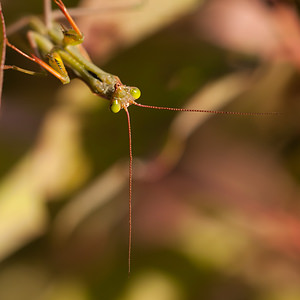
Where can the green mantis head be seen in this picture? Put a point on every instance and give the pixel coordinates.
(123, 96)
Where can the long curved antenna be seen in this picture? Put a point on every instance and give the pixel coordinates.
(210, 111)
(130, 190)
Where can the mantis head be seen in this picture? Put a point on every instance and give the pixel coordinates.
(123, 96)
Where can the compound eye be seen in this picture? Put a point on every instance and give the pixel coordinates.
(135, 93)
(115, 106)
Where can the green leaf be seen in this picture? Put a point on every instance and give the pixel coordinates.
(2, 50)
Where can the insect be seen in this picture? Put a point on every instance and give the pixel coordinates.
(56, 47)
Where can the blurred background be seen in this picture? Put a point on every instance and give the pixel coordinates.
(215, 197)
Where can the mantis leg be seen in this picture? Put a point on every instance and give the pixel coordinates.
(12, 67)
(55, 66)
(33, 44)
(16, 68)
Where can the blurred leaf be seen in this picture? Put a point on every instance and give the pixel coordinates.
(116, 30)
(153, 285)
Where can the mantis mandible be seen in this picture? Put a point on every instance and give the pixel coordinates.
(55, 47)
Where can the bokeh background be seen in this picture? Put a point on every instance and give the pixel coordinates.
(215, 197)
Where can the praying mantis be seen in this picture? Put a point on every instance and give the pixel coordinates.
(57, 49)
